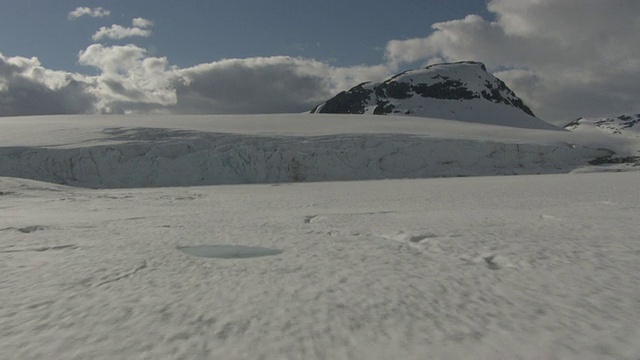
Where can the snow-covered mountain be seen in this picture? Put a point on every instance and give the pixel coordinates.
(624, 125)
(622, 128)
(462, 91)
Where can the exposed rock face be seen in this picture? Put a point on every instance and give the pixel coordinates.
(460, 91)
(347, 102)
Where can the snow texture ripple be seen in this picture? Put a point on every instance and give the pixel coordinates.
(522, 267)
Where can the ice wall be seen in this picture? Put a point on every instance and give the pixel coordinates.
(143, 157)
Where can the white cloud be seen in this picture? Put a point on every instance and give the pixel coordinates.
(128, 78)
(265, 84)
(142, 23)
(565, 58)
(131, 81)
(119, 32)
(27, 88)
(86, 11)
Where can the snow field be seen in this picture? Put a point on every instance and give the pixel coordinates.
(527, 267)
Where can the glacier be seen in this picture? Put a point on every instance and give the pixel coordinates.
(121, 152)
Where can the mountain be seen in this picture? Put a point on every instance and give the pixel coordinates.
(624, 125)
(626, 128)
(462, 91)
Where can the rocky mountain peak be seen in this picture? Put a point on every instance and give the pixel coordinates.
(459, 91)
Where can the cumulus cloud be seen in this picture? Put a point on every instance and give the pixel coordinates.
(142, 23)
(129, 80)
(565, 58)
(86, 11)
(27, 88)
(118, 32)
(264, 84)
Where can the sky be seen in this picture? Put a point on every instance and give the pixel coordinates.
(566, 58)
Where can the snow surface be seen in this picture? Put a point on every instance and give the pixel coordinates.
(517, 267)
(520, 267)
(624, 127)
(123, 151)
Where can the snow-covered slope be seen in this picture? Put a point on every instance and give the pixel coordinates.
(624, 125)
(460, 91)
(122, 151)
(624, 128)
(519, 267)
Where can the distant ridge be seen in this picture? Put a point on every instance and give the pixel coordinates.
(626, 125)
(462, 91)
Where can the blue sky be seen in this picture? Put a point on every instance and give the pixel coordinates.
(565, 59)
(191, 32)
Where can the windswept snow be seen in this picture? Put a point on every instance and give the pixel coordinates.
(112, 152)
(519, 267)
(511, 267)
